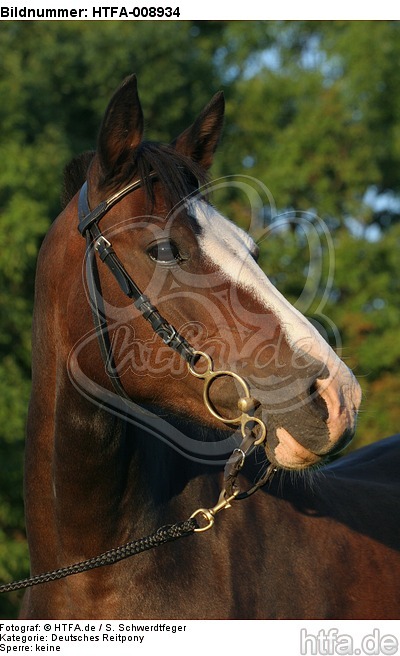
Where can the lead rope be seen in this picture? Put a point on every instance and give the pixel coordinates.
(164, 534)
(171, 532)
(167, 533)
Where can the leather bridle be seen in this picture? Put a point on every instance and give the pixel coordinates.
(88, 226)
(253, 429)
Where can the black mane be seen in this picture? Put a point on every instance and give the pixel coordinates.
(74, 176)
(178, 174)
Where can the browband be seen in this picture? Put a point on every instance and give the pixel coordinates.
(88, 217)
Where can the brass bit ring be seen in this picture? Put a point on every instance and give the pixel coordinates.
(246, 403)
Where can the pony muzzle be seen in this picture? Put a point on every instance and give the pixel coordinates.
(335, 401)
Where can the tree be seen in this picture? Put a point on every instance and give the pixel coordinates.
(316, 118)
(312, 112)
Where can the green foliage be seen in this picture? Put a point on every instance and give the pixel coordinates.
(312, 111)
(14, 390)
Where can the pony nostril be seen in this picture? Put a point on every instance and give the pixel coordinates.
(318, 402)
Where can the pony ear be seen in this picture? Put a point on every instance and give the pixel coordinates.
(200, 140)
(122, 127)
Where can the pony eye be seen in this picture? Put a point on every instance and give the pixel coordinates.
(165, 252)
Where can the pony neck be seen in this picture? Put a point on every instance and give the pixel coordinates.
(131, 480)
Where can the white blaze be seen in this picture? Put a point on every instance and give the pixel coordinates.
(229, 249)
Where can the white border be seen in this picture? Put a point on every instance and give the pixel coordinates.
(211, 10)
(197, 638)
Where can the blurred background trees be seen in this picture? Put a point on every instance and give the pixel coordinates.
(313, 111)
